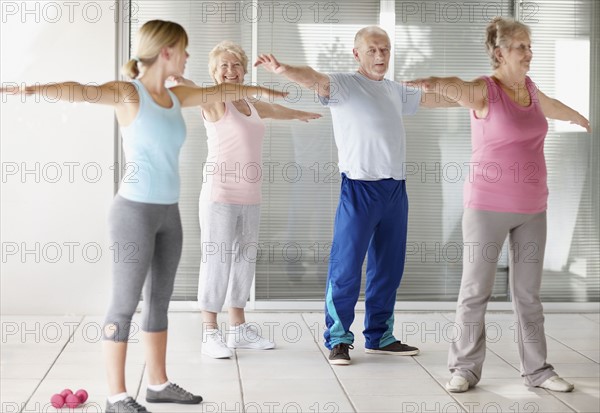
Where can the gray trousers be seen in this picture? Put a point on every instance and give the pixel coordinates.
(484, 233)
(146, 240)
(229, 235)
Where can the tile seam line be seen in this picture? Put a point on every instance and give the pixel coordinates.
(52, 365)
(330, 367)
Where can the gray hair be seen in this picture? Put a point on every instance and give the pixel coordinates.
(499, 33)
(226, 46)
(365, 31)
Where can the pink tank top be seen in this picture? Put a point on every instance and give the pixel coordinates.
(508, 168)
(232, 173)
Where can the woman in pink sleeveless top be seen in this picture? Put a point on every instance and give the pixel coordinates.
(506, 194)
(230, 204)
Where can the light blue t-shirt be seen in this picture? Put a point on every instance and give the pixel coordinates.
(152, 144)
(367, 124)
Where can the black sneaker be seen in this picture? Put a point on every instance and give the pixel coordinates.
(127, 405)
(395, 349)
(339, 354)
(172, 394)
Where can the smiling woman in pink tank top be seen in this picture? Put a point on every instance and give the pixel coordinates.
(230, 204)
(506, 194)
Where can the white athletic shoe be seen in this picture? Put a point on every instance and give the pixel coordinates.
(555, 383)
(246, 336)
(457, 384)
(214, 346)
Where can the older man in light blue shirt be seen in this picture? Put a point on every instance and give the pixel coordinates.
(367, 112)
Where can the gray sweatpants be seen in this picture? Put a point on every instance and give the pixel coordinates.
(146, 241)
(229, 235)
(485, 231)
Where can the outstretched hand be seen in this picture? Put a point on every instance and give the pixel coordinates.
(306, 116)
(583, 122)
(269, 62)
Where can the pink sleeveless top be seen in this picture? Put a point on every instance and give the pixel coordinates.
(232, 173)
(508, 168)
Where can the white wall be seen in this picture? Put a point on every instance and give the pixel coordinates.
(49, 42)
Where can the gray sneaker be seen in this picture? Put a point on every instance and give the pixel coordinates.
(172, 394)
(127, 405)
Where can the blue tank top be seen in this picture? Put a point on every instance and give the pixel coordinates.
(152, 144)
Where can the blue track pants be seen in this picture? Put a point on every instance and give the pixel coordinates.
(371, 217)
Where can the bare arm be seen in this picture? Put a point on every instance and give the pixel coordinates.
(200, 96)
(122, 96)
(279, 112)
(436, 100)
(555, 109)
(213, 111)
(443, 91)
(305, 76)
(112, 93)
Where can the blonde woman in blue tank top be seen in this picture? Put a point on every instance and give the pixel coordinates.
(145, 212)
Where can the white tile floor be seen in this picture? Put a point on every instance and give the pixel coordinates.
(42, 355)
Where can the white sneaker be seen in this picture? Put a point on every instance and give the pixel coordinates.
(555, 383)
(214, 346)
(246, 336)
(457, 384)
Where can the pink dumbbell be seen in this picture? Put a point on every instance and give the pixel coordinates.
(57, 401)
(82, 395)
(66, 397)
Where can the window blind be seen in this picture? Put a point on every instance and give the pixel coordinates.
(441, 38)
(207, 23)
(301, 178)
(299, 203)
(564, 34)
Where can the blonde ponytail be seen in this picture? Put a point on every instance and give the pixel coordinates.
(130, 69)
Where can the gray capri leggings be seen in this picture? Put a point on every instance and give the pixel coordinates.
(146, 240)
